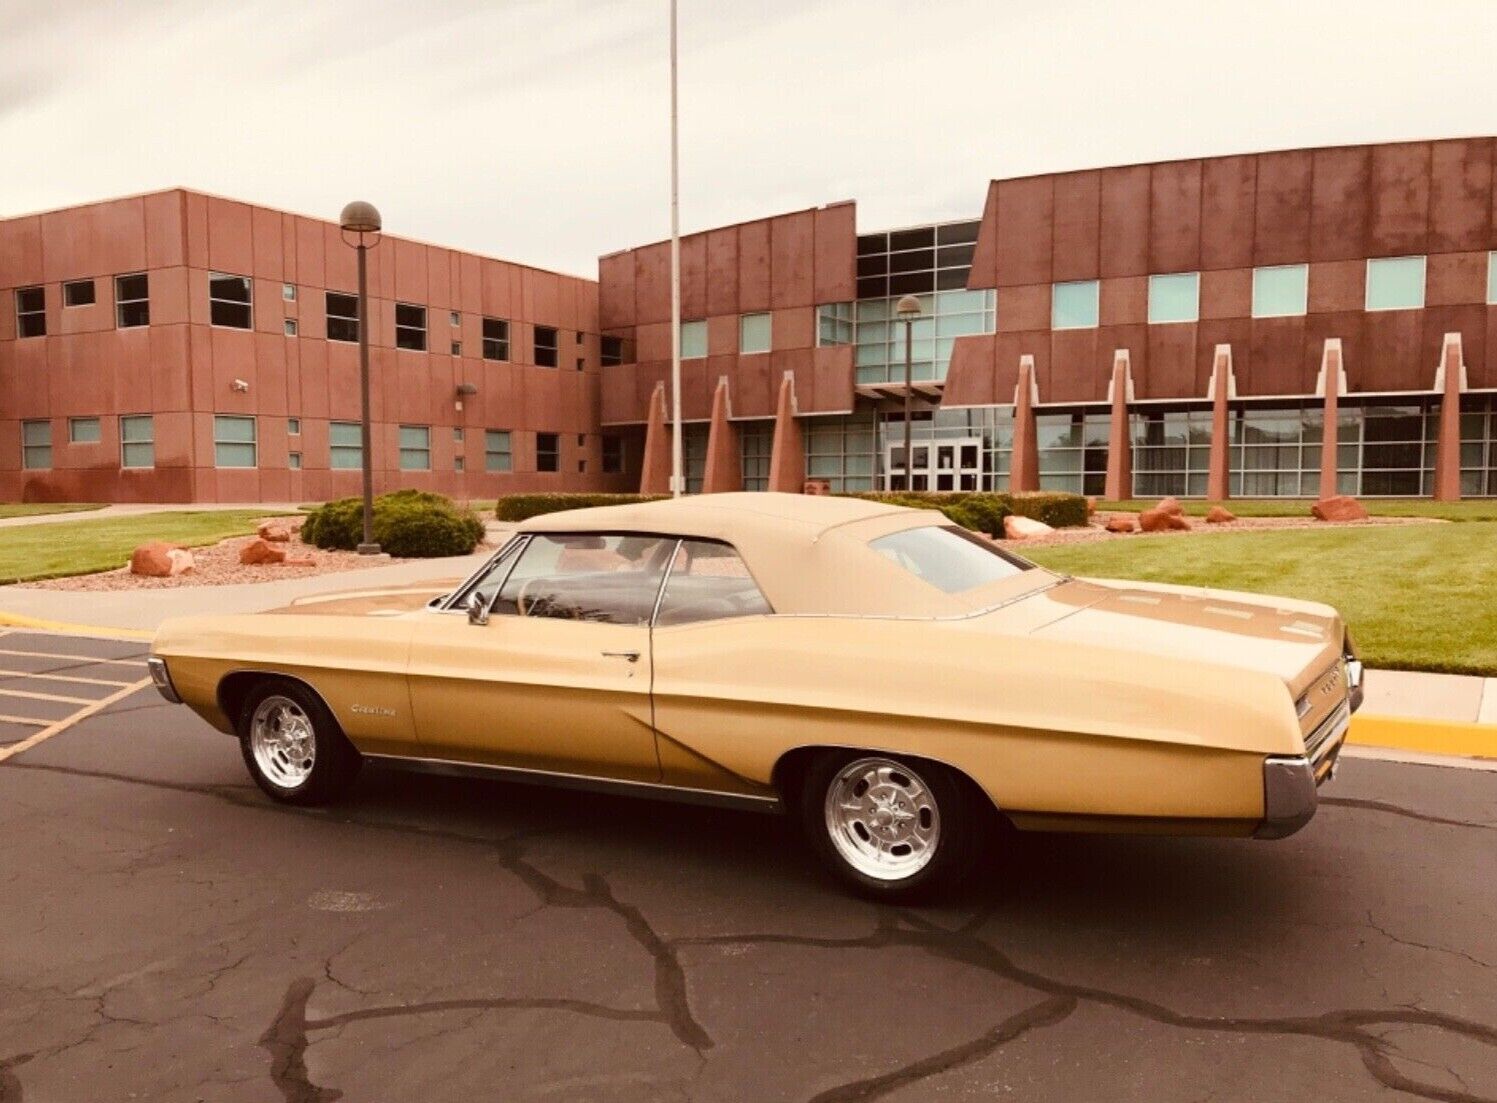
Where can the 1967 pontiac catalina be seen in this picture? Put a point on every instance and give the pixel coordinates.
(886, 677)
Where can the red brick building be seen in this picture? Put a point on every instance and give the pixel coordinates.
(181, 347)
(1275, 324)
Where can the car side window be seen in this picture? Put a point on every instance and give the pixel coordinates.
(709, 581)
(607, 578)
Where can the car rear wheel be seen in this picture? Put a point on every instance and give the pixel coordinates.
(891, 828)
(293, 747)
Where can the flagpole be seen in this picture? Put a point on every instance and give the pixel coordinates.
(678, 478)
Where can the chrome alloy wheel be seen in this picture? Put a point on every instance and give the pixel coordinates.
(882, 819)
(282, 741)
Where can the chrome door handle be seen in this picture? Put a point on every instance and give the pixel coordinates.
(631, 656)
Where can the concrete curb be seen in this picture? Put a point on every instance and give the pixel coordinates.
(15, 620)
(1440, 737)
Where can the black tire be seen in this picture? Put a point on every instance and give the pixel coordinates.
(334, 762)
(952, 803)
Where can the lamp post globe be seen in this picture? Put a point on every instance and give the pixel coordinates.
(362, 220)
(907, 310)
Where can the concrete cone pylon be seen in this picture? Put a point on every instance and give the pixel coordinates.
(1024, 461)
(1450, 381)
(787, 456)
(724, 469)
(655, 468)
(1118, 486)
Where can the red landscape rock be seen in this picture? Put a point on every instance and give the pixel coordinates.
(182, 561)
(1157, 520)
(1170, 505)
(300, 559)
(274, 532)
(1341, 508)
(258, 551)
(153, 560)
(1121, 522)
(1219, 515)
(1022, 528)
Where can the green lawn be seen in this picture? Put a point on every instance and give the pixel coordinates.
(1471, 509)
(85, 547)
(37, 509)
(1417, 597)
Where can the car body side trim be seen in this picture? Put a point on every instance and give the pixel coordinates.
(557, 779)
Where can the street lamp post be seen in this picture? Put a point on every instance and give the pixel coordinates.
(907, 310)
(362, 220)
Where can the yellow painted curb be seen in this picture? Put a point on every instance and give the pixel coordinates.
(1448, 737)
(15, 620)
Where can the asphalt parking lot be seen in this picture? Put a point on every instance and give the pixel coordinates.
(166, 933)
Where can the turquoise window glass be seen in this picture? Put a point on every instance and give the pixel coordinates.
(1280, 291)
(1074, 305)
(1175, 297)
(1492, 277)
(1395, 283)
(233, 441)
(753, 333)
(693, 340)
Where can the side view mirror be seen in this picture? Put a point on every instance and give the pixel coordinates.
(478, 608)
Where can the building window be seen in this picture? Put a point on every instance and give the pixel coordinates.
(138, 441)
(1281, 291)
(581, 364)
(834, 324)
(757, 439)
(916, 261)
(345, 445)
(545, 346)
(1171, 453)
(841, 451)
(459, 464)
(693, 340)
(84, 430)
(754, 333)
(945, 316)
(132, 300)
(613, 454)
(229, 301)
(342, 317)
(288, 292)
(457, 348)
(78, 293)
(1492, 277)
(293, 460)
(495, 339)
(415, 448)
(496, 450)
(547, 452)
(31, 312)
(36, 445)
(1074, 305)
(1395, 283)
(233, 441)
(454, 318)
(1175, 297)
(288, 326)
(410, 327)
(457, 434)
(293, 426)
(611, 350)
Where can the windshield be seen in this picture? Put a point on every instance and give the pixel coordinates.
(949, 558)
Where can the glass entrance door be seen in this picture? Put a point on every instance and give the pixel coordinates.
(954, 464)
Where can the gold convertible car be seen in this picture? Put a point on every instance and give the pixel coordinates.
(887, 677)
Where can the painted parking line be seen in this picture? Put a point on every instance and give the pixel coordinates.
(38, 675)
(60, 726)
(5, 719)
(33, 695)
(1438, 737)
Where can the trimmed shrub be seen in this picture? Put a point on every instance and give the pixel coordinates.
(522, 507)
(1055, 509)
(414, 524)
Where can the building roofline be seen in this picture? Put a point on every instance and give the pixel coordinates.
(180, 189)
(733, 226)
(1242, 153)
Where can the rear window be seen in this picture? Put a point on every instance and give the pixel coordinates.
(949, 558)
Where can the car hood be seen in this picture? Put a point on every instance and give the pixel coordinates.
(372, 601)
(1294, 640)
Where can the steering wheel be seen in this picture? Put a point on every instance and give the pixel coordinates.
(526, 606)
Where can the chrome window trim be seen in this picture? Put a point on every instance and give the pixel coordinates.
(452, 604)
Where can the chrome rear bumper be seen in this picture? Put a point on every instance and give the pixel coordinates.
(1290, 781)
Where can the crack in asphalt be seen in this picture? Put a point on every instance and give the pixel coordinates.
(1045, 1013)
(1350, 1026)
(286, 1039)
(1398, 810)
(1391, 937)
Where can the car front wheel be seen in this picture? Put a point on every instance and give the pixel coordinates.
(892, 829)
(293, 747)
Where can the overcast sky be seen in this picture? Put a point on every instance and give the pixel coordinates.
(537, 130)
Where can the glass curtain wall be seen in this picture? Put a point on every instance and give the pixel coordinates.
(1479, 445)
(1073, 450)
(1171, 453)
(756, 439)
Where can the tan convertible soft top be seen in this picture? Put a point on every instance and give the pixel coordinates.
(808, 553)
